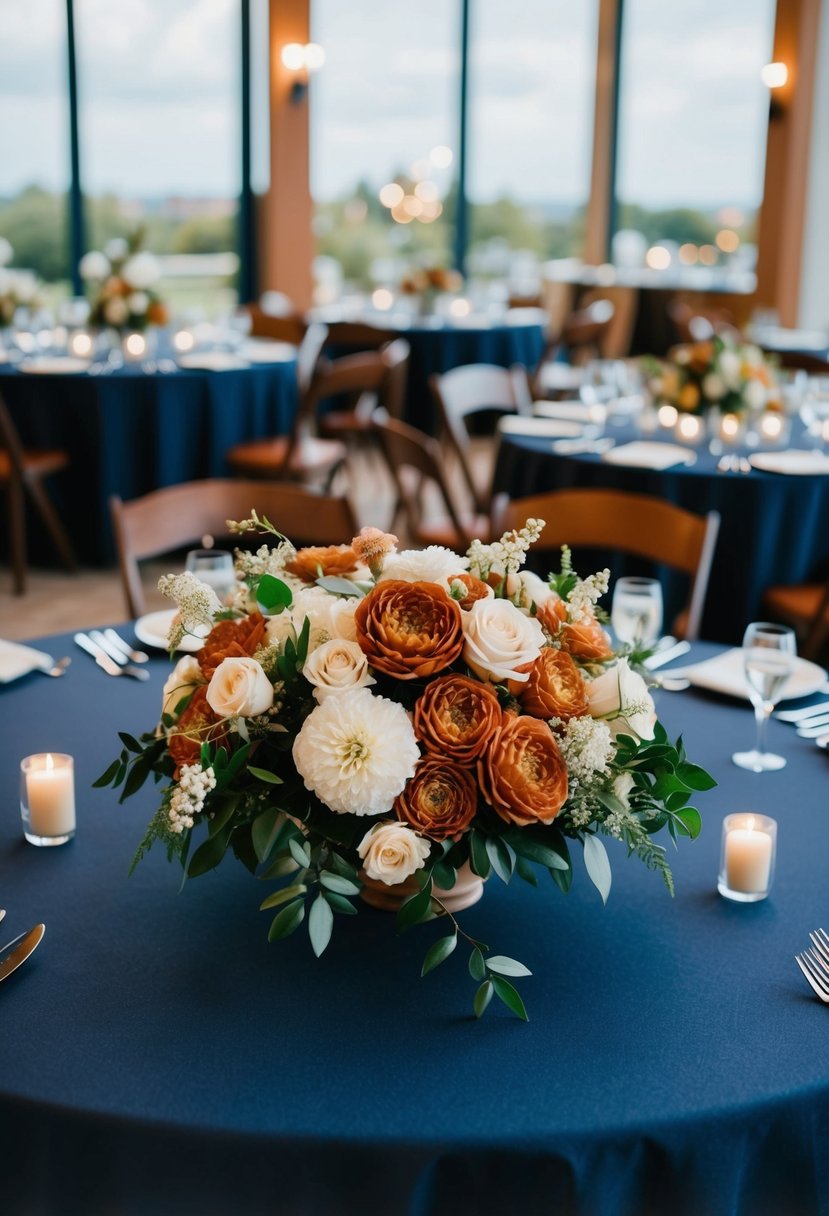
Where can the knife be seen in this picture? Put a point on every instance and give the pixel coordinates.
(666, 656)
(137, 656)
(115, 653)
(17, 951)
(103, 660)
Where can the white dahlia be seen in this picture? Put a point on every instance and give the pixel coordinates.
(434, 564)
(356, 752)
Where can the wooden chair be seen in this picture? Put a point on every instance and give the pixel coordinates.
(415, 463)
(290, 327)
(359, 335)
(303, 455)
(634, 524)
(22, 473)
(390, 393)
(465, 393)
(180, 516)
(580, 339)
(805, 607)
(800, 361)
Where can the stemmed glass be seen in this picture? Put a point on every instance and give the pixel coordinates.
(214, 567)
(769, 657)
(636, 612)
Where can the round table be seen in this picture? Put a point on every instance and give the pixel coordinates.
(773, 528)
(132, 431)
(439, 344)
(159, 1056)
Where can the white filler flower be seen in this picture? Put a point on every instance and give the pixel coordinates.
(356, 752)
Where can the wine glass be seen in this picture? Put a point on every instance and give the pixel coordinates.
(636, 612)
(214, 567)
(769, 657)
(814, 411)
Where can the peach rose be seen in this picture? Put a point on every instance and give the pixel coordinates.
(456, 717)
(522, 773)
(335, 666)
(231, 639)
(322, 559)
(391, 852)
(409, 630)
(500, 641)
(239, 688)
(555, 688)
(198, 724)
(440, 800)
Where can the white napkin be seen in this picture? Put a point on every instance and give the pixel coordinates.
(538, 428)
(17, 660)
(648, 454)
(573, 411)
(791, 460)
(212, 361)
(54, 365)
(725, 673)
(560, 377)
(260, 350)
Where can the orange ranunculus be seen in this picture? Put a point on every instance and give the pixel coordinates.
(700, 355)
(231, 639)
(476, 589)
(586, 640)
(688, 397)
(556, 687)
(440, 800)
(456, 717)
(198, 724)
(551, 615)
(157, 313)
(522, 773)
(409, 630)
(310, 563)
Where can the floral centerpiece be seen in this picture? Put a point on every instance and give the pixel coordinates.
(363, 720)
(18, 288)
(122, 282)
(426, 283)
(720, 373)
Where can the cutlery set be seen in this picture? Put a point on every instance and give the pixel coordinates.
(732, 463)
(811, 722)
(112, 654)
(814, 963)
(19, 948)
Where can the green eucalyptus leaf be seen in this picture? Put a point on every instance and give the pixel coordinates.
(300, 851)
(444, 876)
(477, 966)
(478, 855)
(339, 903)
(287, 921)
(339, 586)
(108, 777)
(510, 996)
(262, 774)
(695, 778)
(338, 884)
(506, 966)
(415, 908)
(482, 998)
(439, 952)
(264, 831)
(278, 898)
(598, 865)
(208, 855)
(501, 856)
(320, 924)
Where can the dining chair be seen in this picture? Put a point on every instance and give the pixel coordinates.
(799, 361)
(465, 394)
(359, 335)
(617, 336)
(22, 474)
(415, 463)
(634, 524)
(281, 327)
(579, 339)
(179, 516)
(303, 455)
(804, 606)
(354, 420)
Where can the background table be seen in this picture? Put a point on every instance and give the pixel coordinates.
(132, 431)
(438, 344)
(773, 528)
(159, 1056)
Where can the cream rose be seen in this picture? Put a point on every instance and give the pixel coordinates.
(498, 639)
(181, 681)
(239, 688)
(620, 696)
(279, 628)
(335, 666)
(392, 852)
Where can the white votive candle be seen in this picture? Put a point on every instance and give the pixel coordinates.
(689, 428)
(47, 798)
(80, 344)
(748, 847)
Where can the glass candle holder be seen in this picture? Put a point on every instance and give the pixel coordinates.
(749, 846)
(689, 428)
(47, 798)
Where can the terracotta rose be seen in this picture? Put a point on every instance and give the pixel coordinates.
(457, 717)
(522, 774)
(231, 640)
(440, 800)
(409, 630)
(556, 687)
(198, 724)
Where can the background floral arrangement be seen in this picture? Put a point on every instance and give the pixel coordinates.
(721, 373)
(18, 288)
(122, 286)
(430, 279)
(362, 715)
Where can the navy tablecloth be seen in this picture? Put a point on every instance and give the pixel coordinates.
(773, 528)
(438, 346)
(158, 1056)
(132, 431)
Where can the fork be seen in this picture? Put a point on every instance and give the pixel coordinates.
(814, 964)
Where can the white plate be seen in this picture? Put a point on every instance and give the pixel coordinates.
(573, 411)
(213, 361)
(539, 428)
(647, 454)
(260, 350)
(17, 661)
(154, 630)
(560, 377)
(793, 460)
(57, 365)
(724, 673)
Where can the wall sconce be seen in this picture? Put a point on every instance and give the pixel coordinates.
(774, 76)
(302, 60)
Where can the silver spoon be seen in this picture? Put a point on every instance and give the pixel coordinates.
(58, 669)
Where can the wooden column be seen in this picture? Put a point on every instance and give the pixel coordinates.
(286, 241)
(783, 212)
(602, 185)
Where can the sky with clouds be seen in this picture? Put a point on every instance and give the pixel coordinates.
(159, 92)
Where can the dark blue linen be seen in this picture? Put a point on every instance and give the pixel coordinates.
(438, 346)
(132, 431)
(773, 528)
(158, 1056)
